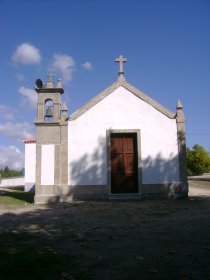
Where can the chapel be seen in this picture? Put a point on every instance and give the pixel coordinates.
(122, 144)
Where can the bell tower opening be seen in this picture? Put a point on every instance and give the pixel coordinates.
(49, 110)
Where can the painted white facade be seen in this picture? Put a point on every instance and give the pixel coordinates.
(30, 165)
(122, 110)
(74, 156)
(47, 164)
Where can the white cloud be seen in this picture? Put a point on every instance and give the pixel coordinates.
(6, 112)
(12, 157)
(16, 131)
(87, 65)
(65, 65)
(20, 77)
(30, 97)
(26, 54)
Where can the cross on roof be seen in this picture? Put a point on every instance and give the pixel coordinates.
(50, 76)
(121, 60)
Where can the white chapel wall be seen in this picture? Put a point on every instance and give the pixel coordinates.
(30, 165)
(47, 164)
(122, 110)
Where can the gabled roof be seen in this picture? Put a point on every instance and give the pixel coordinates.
(129, 87)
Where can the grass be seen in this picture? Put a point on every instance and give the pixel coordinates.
(15, 198)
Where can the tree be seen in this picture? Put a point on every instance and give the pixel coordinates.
(7, 173)
(198, 160)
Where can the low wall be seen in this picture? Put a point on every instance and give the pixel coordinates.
(12, 182)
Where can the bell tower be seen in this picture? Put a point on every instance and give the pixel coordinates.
(51, 143)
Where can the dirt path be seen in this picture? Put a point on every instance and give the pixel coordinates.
(199, 192)
(200, 186)
(163, 239)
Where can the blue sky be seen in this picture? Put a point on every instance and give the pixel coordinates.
(166, 43)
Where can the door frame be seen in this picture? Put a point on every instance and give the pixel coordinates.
(108, 137)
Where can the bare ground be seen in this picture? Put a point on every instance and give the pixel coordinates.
(159, 239)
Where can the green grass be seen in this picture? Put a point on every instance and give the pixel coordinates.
(15, 198)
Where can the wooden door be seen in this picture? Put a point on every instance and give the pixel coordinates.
(124, 163)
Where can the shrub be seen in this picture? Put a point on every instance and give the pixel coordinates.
(198, 160)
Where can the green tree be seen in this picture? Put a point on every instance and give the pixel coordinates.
(198, 160)
(7, 173)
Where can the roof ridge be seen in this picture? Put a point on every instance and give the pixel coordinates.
(99, 97)
(149, 100)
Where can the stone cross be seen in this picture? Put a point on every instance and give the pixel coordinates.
(50, 76)
(50, 80)
(121, 60)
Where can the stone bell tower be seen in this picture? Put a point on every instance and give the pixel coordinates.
(51, 143)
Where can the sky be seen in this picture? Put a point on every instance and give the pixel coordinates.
(166, 43)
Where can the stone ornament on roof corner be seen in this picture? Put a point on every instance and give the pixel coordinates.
(180, 117)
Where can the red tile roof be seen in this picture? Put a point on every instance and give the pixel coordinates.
(29, 140)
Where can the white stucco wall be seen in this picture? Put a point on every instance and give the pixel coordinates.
(122, 110)
(47, 164)
(30, 165)
(30, 162)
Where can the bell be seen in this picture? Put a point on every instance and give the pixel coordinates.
(48, 113)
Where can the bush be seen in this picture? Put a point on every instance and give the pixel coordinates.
(7, 173)
(198, 160)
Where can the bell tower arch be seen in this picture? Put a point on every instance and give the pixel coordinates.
(51, 143)
(49, 110)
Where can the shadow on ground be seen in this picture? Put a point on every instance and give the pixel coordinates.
(107, 240)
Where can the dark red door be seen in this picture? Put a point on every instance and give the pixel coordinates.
(124, 163)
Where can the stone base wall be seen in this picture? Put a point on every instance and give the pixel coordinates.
(55, 194)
